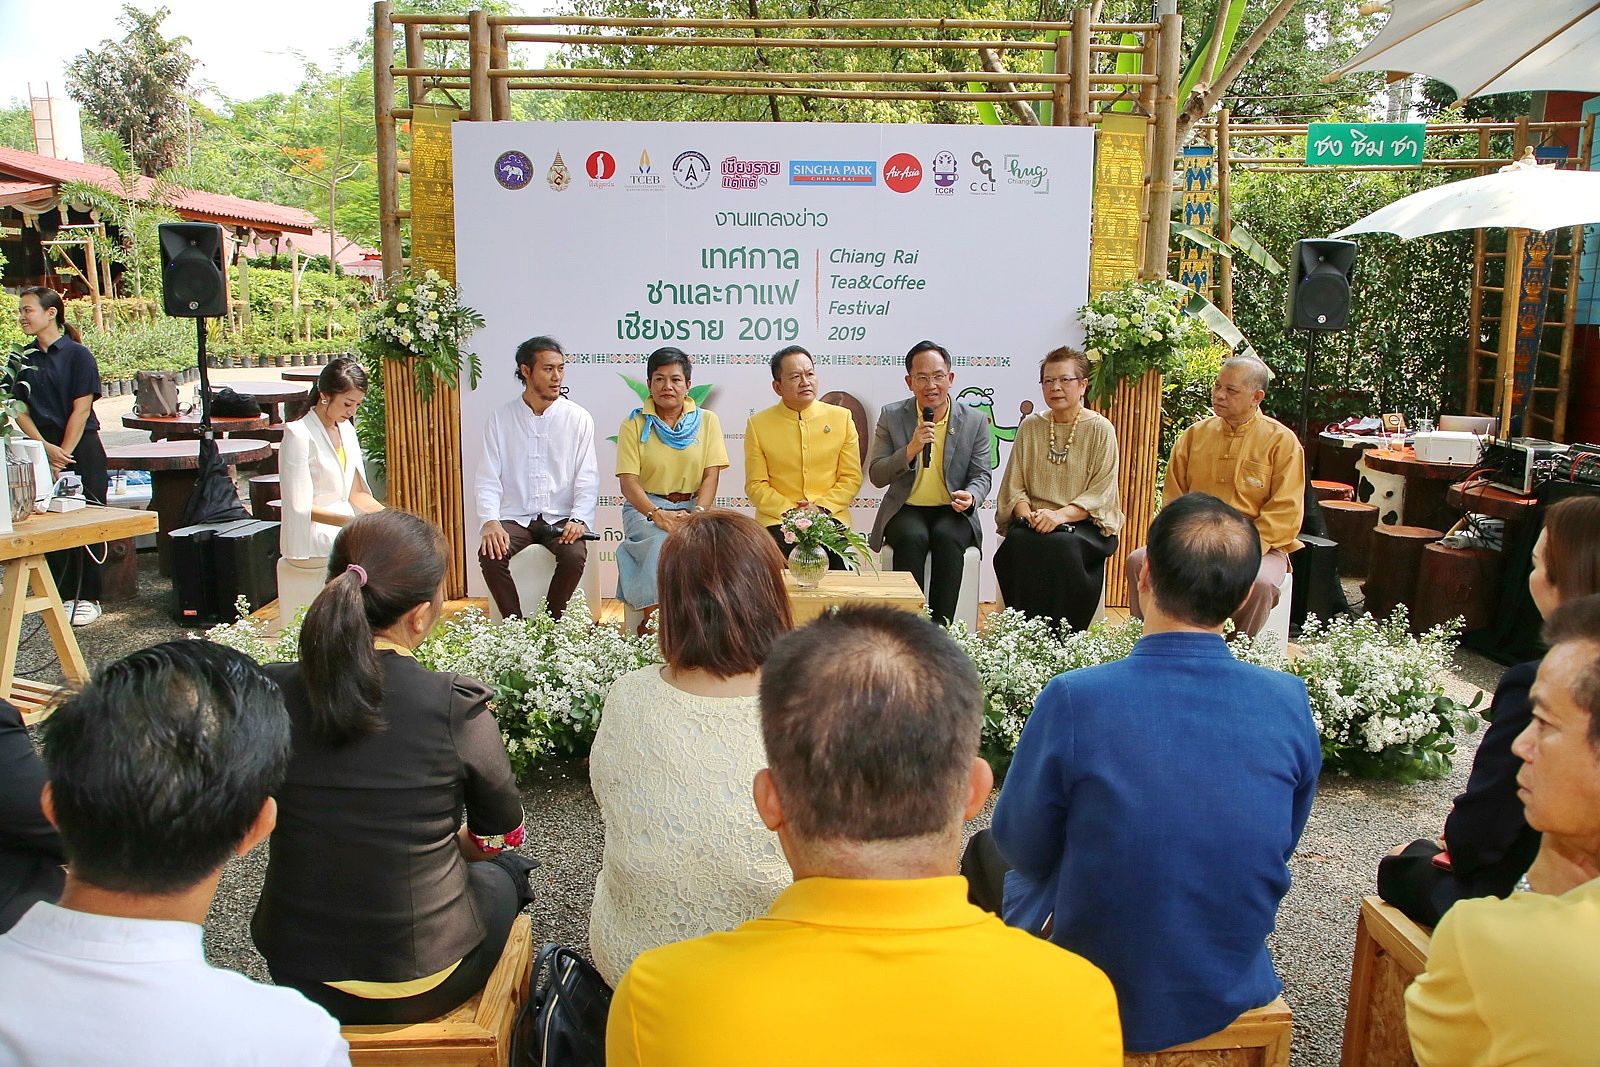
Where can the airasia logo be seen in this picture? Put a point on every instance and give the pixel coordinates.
(903, 172)
(601, 166)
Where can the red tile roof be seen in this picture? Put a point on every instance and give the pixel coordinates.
(192, 204)
(24, 192)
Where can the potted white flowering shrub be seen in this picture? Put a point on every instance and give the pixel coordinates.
(421, 321)
(1128, 331)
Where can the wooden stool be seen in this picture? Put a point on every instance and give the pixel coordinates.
(1391, 951)
(1258, 1038)
(477, 1034)
(1351, 523)
(1456, 581)
(1325, 490)
(263, 487)
(119, 575)
(1396, 560)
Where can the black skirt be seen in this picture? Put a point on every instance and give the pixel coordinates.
(1058, 575)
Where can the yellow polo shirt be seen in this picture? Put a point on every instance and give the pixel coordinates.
(791, 456)
(1259, 469)
(929, 490)
(662, 469)
(851, 971)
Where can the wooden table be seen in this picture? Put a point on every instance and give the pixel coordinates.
(287, 400)
(301, 374)
(1481, 498)
(1425, 485)
(173, 467)
(162, 427)
(892, 589)
(30, 587)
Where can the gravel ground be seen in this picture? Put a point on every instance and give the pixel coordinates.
(1352, 825)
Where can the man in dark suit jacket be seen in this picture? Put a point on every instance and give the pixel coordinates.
(930, 508)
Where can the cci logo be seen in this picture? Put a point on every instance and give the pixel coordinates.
(1033, 177)
(903, 172)
(558, 177)
(985, 184)
(601, 168)
(644, 179)
(833, 172)
(513, 170)
(691, 169)
(944, 174)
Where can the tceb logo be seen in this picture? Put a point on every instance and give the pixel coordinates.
(903, 172)
(601, 168)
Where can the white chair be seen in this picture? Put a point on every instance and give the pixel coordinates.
(531, 571)
(1099, 609)
(1275, 631)
(299, 582)
(967, 599)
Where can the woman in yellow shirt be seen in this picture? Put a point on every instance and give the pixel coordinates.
(669, 454)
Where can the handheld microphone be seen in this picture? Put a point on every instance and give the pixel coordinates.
(927, 449)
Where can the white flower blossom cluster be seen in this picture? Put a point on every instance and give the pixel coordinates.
(1139, 317)
(422, 314)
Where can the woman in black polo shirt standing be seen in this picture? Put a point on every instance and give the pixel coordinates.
(63, 382)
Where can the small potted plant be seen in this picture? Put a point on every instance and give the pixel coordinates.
(814, 534)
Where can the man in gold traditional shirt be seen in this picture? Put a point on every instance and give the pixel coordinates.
(800, 453)
(1251, 462)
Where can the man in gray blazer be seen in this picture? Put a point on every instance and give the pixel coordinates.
(933, 456)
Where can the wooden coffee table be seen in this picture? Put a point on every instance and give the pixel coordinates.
(174, 467)
(162, 427)
(891, 589)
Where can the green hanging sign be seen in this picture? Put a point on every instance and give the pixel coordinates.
(1357, 144)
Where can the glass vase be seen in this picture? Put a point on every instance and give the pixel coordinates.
(808, 563)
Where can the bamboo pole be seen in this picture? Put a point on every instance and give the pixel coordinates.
(1024, 26)
(1510, 306)
(1169, 67)
(645, 40)
(1224, 213)
(499, 59)
(91, 274)
(1082, 66)
(776, 77)
(416, 88)
(1569, 319)
(777, 90)
(388, 149)
(479, 50)
(1475, 307)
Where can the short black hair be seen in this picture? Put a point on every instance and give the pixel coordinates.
(667, 357)
(871, 719)
(528, 352)
(784, 353)
(1578, 622)
(928, 346)
(1203, 558)
(160, 765)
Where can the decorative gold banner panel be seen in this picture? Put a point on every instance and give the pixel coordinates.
(1116, 248)
(433, 198)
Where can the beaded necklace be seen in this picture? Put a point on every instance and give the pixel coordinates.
(1059, 455)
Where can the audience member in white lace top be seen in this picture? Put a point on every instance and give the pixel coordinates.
(678, 747)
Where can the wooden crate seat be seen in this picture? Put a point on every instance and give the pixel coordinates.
(1391, 951)
(477, 1034)
(1258, 1038)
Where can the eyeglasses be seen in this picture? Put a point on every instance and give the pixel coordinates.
(1048, 382)
(920, 380)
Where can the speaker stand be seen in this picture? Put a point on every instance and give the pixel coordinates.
(1305, 394)
(205, 379)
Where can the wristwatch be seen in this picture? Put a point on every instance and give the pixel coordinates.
(698, 509)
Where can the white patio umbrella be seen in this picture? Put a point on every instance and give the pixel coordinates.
(1482, 47)
(1523, 197)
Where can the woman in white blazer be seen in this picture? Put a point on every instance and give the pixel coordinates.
(321, 476)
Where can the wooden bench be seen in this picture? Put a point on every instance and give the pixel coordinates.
(477, 1034)
(1391, 951)
(1258, 1038)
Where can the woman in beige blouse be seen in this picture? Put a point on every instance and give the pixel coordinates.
(1058, 508)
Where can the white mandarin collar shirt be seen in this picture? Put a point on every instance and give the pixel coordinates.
(538, 466)
(96, 989)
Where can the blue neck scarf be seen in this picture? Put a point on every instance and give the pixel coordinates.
(685, 435)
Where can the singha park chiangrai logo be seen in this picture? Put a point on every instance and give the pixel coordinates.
(513, 170)
(558, 177)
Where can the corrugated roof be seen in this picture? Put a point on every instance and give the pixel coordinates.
(192, 204)
(25, 192)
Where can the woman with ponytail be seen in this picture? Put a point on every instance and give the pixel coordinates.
(61, 382)
(379, 903)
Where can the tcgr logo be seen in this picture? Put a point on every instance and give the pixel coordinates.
(944, 174)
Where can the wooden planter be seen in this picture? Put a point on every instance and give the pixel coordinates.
(1135, 412)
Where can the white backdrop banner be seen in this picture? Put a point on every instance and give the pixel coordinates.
(731, 240)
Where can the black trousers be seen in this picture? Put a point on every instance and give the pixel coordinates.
(76, 572)
(499, 889)
(916, 532)
(834, 562)
(570, 561)
(1058, 575)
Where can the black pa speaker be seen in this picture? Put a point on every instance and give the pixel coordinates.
(192, 285)
(1319, 285)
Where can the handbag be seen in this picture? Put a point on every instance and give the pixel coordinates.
(563, 1023)
(155, 393)
(232, 405)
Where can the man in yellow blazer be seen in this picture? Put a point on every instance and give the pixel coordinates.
(800, 453)
(870, 718)
(1516, 981)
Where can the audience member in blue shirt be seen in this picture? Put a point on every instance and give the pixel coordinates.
(1154, 803)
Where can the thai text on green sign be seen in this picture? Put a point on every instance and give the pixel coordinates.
(1359, 144)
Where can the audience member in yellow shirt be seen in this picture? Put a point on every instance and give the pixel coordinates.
(1516, 981)
(1254, 464)
(800, 452)
(870, 719)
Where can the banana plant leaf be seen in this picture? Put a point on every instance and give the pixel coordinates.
(1128, 63)
(1215, 321)
(1229, 13)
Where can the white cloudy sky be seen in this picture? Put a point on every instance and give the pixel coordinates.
(245, 48)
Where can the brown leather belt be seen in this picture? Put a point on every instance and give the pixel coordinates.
(676, 498)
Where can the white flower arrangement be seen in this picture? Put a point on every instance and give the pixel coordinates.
(1137, 328)
(420, 319)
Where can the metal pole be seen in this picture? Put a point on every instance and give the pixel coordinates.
(205, 380)
(1305, 389)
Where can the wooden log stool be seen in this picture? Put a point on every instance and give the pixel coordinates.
(1351, 523)
(1391, 951)
(1326, 490)
(1396, 561)
(1258, 1038)
(264, 488)
(477, 1034)
(119, 575)
(1456, 581)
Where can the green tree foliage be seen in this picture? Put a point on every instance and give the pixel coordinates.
(137, 88)
(16, 126)
(132, 209)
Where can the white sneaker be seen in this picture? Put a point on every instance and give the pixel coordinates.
(82, 612)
